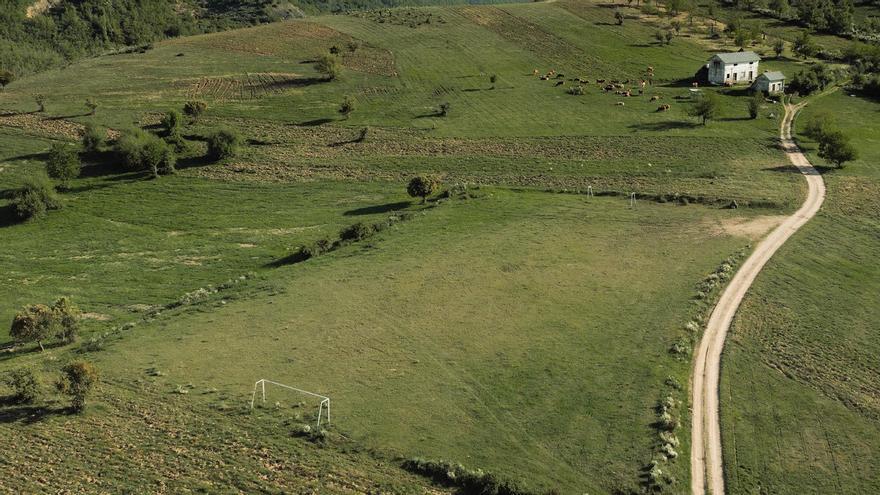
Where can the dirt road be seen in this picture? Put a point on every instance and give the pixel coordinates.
(706, 462)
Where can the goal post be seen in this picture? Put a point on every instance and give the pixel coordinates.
(323, 406)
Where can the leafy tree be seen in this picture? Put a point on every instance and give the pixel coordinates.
(668, 36)
(64, 164)
(422, 187)
(705, 108)
(619, 17)
(659, 36)
(742, 38)
(444, 109)
(172, 122)
(67, 316)
(493, 79)
(778, 47)
(835, 147)
(347, 107)
(34, 198)
(77, 380)
(92, 138)
(754, 104)
(817, 125)
(329, 66)
(223, 144)
(804, 45)
(6, 77)
(34, 323)
(40, 100)
(24, 383)
(142, 151)
(781, 7)
(195, 108)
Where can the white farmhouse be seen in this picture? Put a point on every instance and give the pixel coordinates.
(732, 68)
(770, 82)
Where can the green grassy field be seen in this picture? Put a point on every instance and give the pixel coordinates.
(524, 332)
(799, 390)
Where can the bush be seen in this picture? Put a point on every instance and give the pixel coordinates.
(77, 381)
(329, 66)
(577, 90)
(347, 107)
(357, 232)
(754, 105)
(34, 198)
(195, 108)
(422, 187)
(444, 109)
(67, 318)
(92, 138)
(171, 122)
(24, 384)
(223, 144)
(64, 164)
(6, 77)
(835, 147)
(34, 323)
(142, 151)
(817, 125)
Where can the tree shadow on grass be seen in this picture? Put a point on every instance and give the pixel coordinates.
(8, 218)
(28, 156)
(65, 117)
(664, 126)
(734, 119)
(369, 210)
(315, 122)
(14, 411)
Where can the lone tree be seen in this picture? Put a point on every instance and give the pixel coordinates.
(6, 77)
(34, 198)
(804, 45)
(223, 144)
(618, 16)
(92, 138)
(67, 317)
(77, 381)
(444, 109)
(34, 323)
(171, 122)
(754, 104)
(347, 107)
(91, 105)
(706, 108)
(492, 80)
(40, 100)
(64, 164)
(195, 108)
(422, 187)
(835, 147)
(329, 66)
(778, 47)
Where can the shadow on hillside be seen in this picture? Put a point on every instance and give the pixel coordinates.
(8, 218)
(784, 169)
(315, 122)
(12, 411)
(429, 115)
(664, 126)
(369, 210)
(65, 117)
(734, 119)
(28, 156)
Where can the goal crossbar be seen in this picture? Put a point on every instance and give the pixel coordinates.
(261, 385)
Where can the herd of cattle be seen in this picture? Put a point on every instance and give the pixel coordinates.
(626, 88)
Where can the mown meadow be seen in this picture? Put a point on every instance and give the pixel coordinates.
(522, 326)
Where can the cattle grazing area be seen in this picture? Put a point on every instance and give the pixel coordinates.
(489, 233)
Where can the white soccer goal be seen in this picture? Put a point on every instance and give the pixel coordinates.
(324, 404)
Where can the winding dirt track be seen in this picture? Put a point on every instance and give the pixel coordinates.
(706, 462)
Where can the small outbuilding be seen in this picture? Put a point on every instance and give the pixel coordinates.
(770, 82)
(732, 68)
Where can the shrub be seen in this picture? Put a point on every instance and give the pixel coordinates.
(143, 151)
(357, 232)
(6, 77)
(329, 66)
(577, 90)
(347, 107)
(34, 198)
(40, 100)
(91, 105)
(705, 108)
(422, 187)
(195, 108)
(67, 317)
(444, 109)
(223, 144)
(64, 164)
(92, 138)
(34, 323)
(77, 381)
(24, 384)
(171, 122)
(818, 125)
(754, 105)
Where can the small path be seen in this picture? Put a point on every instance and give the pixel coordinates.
(706, 463)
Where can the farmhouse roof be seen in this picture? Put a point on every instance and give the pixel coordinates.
(738, 57)
(773, 76)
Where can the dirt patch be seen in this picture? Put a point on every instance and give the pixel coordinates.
(96, 316)
(753, 228)
(43, 125)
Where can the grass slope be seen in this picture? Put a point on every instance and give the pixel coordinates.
(799, 390)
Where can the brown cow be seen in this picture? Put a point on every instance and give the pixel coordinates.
(663, 108)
